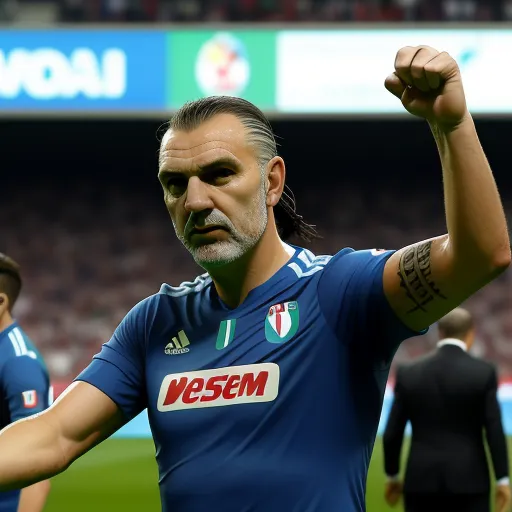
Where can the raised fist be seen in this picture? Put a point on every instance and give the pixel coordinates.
(429, 85)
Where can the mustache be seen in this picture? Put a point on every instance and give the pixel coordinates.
(215, 217)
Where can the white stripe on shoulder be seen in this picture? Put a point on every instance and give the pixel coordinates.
(14, 343)
(306, 256)
(198, 284)
(21, 341)
(309, 263)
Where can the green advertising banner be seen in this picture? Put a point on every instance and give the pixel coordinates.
(209, 63)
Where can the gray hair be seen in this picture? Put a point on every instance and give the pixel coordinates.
(259, 130)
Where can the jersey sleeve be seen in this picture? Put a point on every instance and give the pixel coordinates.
(26, 386)
(351, 296)
(119, 369)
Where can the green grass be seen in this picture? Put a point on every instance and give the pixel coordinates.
(122, 475)
(117, 475)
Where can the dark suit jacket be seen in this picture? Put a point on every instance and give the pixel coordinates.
(450, 399)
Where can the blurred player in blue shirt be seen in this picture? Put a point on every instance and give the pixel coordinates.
(24, 382)
(264, 377)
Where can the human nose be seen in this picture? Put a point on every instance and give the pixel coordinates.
(197, 198)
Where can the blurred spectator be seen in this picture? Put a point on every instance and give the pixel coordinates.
(179, 11)
(73, 10)
(8, 10)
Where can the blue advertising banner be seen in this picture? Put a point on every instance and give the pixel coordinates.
(151, 72)
(82, 70)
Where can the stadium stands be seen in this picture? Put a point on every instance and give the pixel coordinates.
(89, 255)
(254, 10)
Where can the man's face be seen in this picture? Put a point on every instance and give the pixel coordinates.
(213, 189)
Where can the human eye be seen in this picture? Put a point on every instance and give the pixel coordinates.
(175, 185)
(219, 176)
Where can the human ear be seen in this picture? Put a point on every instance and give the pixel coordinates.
(276, 173)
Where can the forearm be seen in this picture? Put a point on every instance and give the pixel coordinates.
(29, 452)
(33, 498)
(477, 230)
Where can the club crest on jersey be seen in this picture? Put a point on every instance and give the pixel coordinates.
(29, 399)
(282, 322)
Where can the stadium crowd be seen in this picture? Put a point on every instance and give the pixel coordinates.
(258, 10)
(88, 259)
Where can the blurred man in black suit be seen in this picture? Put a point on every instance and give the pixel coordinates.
(450, 398)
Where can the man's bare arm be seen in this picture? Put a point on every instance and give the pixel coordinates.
(43, 445)
(33, 498)
(428, 279)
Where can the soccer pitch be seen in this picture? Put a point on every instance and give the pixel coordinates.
(121, 474)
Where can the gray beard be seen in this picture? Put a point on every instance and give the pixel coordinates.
(224, 252)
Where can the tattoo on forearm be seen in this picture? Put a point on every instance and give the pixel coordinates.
(416, 276)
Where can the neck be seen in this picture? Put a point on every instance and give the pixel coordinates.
(234, 282)
(6, 320)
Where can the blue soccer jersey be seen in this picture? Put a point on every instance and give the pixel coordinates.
(272, 406)
(24, 388)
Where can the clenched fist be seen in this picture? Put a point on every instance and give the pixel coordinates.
(429, 85)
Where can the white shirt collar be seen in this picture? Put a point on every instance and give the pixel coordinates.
(452, 341)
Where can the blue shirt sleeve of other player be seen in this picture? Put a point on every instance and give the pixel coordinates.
(26, 387)
(119, 369)
(351, 295)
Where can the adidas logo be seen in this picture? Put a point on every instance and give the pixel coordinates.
(178, 345)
